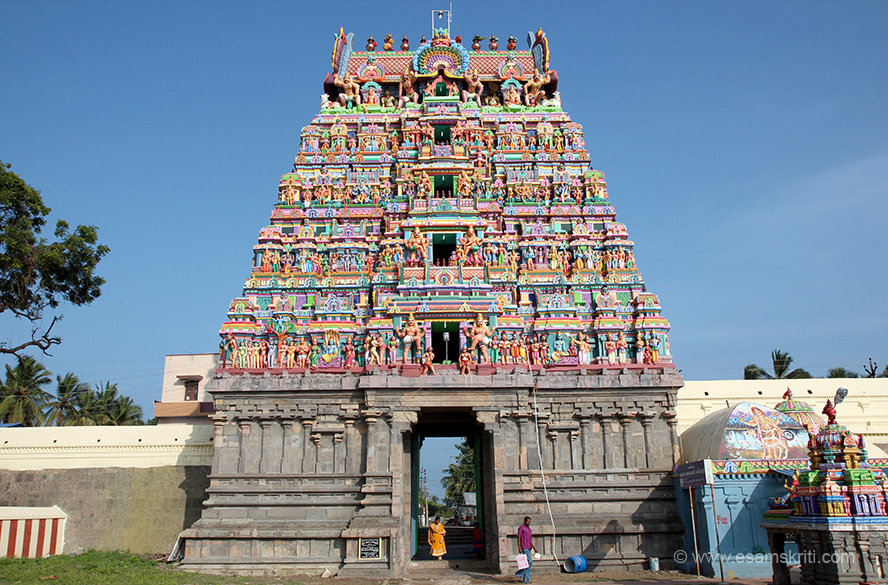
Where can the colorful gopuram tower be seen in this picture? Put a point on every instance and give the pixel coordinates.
(441, 260)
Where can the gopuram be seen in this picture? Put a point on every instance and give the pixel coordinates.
(441, 261)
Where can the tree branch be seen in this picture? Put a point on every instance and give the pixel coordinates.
(43, 342)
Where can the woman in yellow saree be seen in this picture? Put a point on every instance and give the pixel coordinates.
(436, 539)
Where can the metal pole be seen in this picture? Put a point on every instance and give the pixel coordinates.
(694, 528)
(721, 568)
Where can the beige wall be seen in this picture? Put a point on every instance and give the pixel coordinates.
(128, 488)
(864, 411)
(200, 364)
(102, 447)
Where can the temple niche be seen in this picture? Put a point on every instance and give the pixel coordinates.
(442, 258)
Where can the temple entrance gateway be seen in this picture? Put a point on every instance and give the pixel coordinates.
(316, 448)
(455, 425)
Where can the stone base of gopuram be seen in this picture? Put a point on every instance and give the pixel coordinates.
(315, 472)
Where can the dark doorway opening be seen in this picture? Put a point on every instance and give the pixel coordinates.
(445, 341)
(444, 185)
(442, 134)
(443, 247)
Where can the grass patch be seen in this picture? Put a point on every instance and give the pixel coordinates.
(115, 568)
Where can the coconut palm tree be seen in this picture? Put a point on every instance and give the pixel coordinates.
(87, 409)
(780, 362)
(125, 411)
(459, 477)
(63, 409)
(22, 398)
(841, 372)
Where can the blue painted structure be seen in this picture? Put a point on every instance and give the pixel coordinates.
(741, 500)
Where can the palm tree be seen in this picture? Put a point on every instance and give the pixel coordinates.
(781, 362)
(841, 372)
(87, 409)
(459, 477)
(107, 396)
(125, 411)
(63, 409)
(23, 399)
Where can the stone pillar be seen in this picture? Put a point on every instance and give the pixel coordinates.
(266, 465)
(625, 421)
(289, 446)
(777, 542)
(225, 455)
(401, 425)
(338, 453)
(586, 443)
(309, 450)
(556, 458)
(672, 421)
(352, 445)
(244, 433)
(604, 423)
(371, 417)
(646, 418)
(525, 445)
(576, 457)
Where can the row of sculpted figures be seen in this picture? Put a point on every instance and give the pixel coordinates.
(353, 92)
(480, 343)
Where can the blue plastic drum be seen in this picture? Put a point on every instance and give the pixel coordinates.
(575, 564)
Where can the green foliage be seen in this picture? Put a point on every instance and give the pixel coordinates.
(780, 362)
(64, 408)
(435, 506)
(841, 372)
(22, 400)
(459, 477)
(35, 273)
(119, 568)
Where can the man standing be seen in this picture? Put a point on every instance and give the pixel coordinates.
(525, 544)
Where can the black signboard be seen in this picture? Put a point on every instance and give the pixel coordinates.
(369, 548)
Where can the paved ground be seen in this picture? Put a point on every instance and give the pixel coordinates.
(452, 576)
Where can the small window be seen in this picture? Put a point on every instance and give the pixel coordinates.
(191, 389)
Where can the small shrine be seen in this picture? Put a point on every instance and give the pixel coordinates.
(753, 456)
(836, 512)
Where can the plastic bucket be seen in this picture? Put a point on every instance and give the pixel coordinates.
(575, 564)
(654, 564)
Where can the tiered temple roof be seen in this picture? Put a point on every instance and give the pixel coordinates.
(443, 199)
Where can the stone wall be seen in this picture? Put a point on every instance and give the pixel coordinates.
(127, 488)
(138, 509)
(307, 465)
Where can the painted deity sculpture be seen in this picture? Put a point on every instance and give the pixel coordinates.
(412, 335)
(480, 335)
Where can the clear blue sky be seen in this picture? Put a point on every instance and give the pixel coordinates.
(745, 146)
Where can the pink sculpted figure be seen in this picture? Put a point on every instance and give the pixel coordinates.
(480, 334)
(349, 352)
(412, 335)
